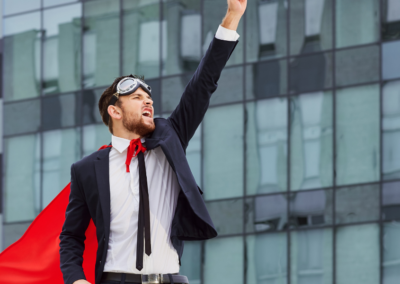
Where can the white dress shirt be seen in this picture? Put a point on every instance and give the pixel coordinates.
(124, 204)
(163, 190)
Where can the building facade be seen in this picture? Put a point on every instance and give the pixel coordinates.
(298, 155)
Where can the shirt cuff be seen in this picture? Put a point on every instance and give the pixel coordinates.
(226, 34)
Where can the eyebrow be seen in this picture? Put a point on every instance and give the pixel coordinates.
(141, 95)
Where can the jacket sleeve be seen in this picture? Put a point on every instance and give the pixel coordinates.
(72, 237)
(196, 97)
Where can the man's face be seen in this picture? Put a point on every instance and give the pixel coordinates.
(137, 112)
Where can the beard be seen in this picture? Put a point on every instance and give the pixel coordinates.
(137, 125)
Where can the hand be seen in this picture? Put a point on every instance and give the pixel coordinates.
(234, 13)
(81, 281)
(237, 7)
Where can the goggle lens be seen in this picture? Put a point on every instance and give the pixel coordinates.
(127, 85)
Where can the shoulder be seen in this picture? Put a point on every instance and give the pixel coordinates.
(161, 121)
(89, 159)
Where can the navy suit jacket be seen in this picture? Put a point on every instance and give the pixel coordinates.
(90, 186)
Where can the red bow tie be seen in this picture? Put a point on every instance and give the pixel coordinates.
(131, 151)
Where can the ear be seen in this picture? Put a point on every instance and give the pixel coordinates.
(114, 112)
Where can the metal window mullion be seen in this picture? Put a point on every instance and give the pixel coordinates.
(81, 92)
(245, 121)
(288, 158)
(381, 225)
(334, 141)
(203, 243)
(41, 81)
(121, 40)
(160, 63)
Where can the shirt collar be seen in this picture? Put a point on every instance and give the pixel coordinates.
(121, 144)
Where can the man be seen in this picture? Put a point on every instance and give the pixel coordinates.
(139, 190)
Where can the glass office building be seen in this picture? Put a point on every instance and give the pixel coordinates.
(298, 155)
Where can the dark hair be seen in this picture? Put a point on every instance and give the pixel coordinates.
(106, 97)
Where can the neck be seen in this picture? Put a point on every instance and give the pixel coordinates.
(123, 133)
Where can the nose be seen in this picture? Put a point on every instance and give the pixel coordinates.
(148, 102)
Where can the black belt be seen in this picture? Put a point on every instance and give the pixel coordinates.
(146, 278)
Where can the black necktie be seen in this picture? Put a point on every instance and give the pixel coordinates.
(144, 215)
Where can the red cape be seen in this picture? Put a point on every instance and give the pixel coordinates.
(34, 258)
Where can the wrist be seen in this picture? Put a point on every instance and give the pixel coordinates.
(231, 20)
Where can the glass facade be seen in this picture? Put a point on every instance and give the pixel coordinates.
(298, 155)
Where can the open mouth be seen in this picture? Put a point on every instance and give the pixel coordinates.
(146, 113)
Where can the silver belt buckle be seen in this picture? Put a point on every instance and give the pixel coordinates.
(152, 278)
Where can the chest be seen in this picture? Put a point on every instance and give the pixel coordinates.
(162, 183)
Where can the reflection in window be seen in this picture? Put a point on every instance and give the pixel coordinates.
(266, 29)
(21, 179)
(141, 38)
(17, 123)
(266, 79)
(266, 258)
(47, 3)
(391, 253)
(193, 155)
(357, 254)
(61, 148)
(61, 49)
(358, 65)
(310, 26)
(391, 201)
(390, 19)
(60, 111)
(223, 152)
(21, 56)
(357, 204)
(391, 130)
(183, 37)
(311, 256)
(311, 208)
(266, 213)
(213, 12)
(266, 139)
(172, 89)
(13, 231)
(391, 59)
(90, 101)
(311, 141)
(101, 42)
(230, 86)
(357, 22)
(18, 6)
(357, 138)
(311, 73)
(227, 215)
(223, 261)
(191, 262)
(95, 136)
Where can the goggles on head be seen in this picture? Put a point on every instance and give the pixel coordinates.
(127, 86)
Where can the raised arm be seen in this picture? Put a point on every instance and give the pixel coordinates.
(196, 97)
(72, 237)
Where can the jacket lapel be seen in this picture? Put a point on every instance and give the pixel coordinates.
(103, 183)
